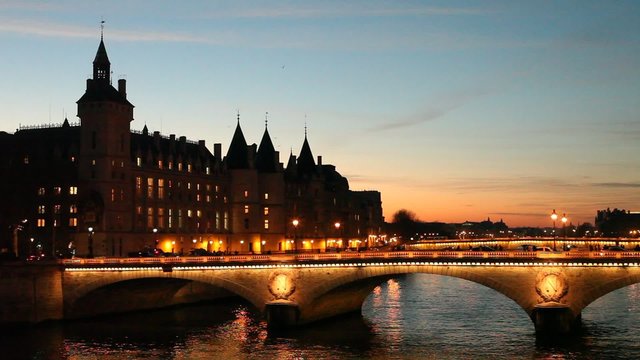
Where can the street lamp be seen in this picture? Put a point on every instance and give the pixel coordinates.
(337, 225)
(90, 241)
(554, 217)
(295, 223)
(564, 223)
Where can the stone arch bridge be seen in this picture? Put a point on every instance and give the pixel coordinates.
(298, 289)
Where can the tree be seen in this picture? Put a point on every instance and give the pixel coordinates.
(405, 223)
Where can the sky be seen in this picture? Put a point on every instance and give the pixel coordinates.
(455, 110)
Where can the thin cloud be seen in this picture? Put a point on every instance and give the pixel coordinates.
(526, 214)
(342, 10)
(617, 185)
(68, 31)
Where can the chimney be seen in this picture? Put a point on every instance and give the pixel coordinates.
(217, 151)
(122, 87)
(201, 143)
(172, 137)
(319, 160)
(183, 139)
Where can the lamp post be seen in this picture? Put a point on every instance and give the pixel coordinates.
(155, 239)
(337, 225)
(554, 217)
(295, 223)
(90, 242)
(564, 223)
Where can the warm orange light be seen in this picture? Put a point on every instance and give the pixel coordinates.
(295, 222)
(564, 218)
(337, 225)
(554, 216)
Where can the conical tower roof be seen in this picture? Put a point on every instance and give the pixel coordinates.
(306, 164)
(237, 156)
(266, 159)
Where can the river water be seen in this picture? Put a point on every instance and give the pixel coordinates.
(416, 316)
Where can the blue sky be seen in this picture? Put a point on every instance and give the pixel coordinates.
(456, 110)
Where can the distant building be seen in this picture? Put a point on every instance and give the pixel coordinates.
(618, 223)
(101, 188)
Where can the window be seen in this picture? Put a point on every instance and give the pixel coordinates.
(189, 213)
(207, 170)
(246, 209)
(197, 197)
(41, 209)
(73, 190)
(113, 195)
(170, 218)
(73, 209)
(246, 193)
(179, 218)
(266, 210)
(246, 223)
(160, 189)
(217, 220)
(266, 196)
(179, 166)
(226, 220)
(26, 159)
(121, 194)
(159, 164)
(57, 209)
(149, 218)
(57, 190)
(73, 222)
(138, 186)
(150, 188)
(189, 167)
(266, 224)
(161, 217)
(198, 213)
(138, 161)
(208, 198)
(170, 165)
(188, 186)
(41, 223)
(41, 191)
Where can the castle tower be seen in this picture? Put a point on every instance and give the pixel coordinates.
(105, 198)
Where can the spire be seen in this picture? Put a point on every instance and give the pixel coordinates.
(238, 155)
(266, 159)
(101, 64)
(306, 164)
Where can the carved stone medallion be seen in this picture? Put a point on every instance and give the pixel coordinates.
(551, 286)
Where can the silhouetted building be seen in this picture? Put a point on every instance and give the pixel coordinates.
(617, 222)
(104, 189)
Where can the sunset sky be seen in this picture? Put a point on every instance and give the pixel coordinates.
(456, 110)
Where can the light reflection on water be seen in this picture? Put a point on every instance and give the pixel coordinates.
(409, 317)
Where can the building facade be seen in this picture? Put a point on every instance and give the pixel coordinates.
(102, 189)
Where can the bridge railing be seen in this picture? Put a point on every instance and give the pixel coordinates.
(357, 255)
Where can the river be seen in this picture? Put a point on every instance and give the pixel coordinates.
(416, 316)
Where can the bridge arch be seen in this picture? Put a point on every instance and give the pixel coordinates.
(91, 294)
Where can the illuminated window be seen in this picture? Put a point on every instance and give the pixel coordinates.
(246, 209)
(266, 196)
(150, 188)
(139, 161)
(217, 188)
(139, 210)
(57, 209)
(26, 160)
(189, 213)
(73, 209)
(57, 190)
(266, 210)
(207, 170)
(170, 218)
(170, 165)
(179, 218)
(217, 220)
(73, 222)
(198, 186)
(161, 217)
(197, 197)
(73, 190)
(199, 213)
(188, 167)
(208, 198)
(149, 218)
(266, 224)
(138, 186)
(41, 191)
(41, 223)
(113, 195)
(159, 164)
(188, 186)
(41, 209)
(246, 193)
(160, 189)
(226, 220)
(179, 166)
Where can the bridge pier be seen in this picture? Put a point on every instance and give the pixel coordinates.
(281, 315)
(554, 319)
